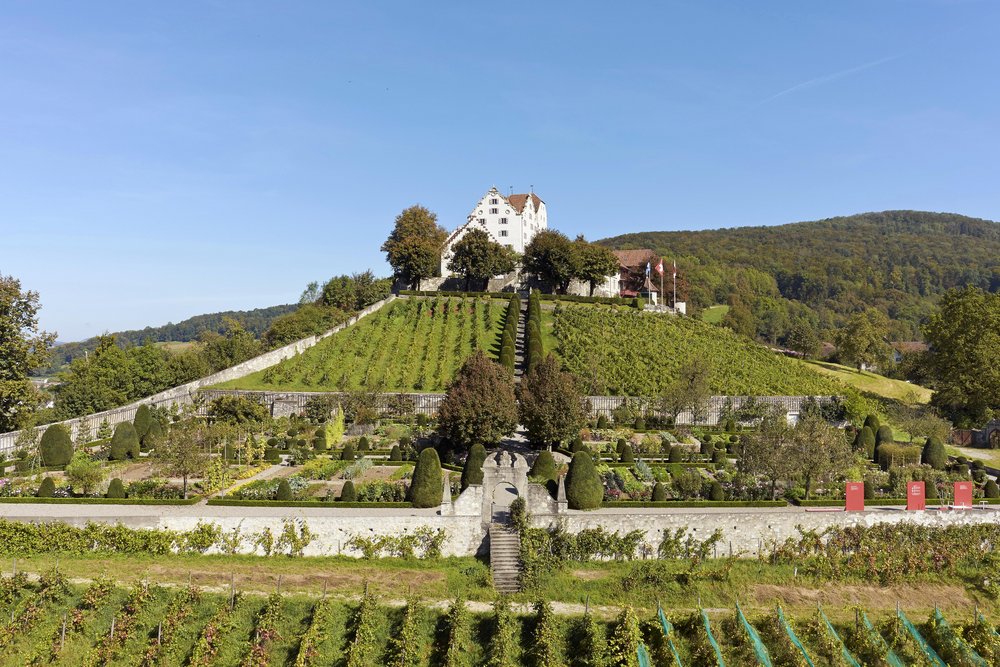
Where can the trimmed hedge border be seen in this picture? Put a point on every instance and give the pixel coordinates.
(328, 504)
(611, 504)
(491, 295)
(606, 300)
(707, 465)
(31, 500)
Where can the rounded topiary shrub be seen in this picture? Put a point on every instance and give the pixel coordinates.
(869, 490)
(730, 425)
(676, 454)
(544, 466)
(427, 487)
(472, 471)
(659, 492)
(142, 421)
(272, 455)
(56, 447)
(718, 456)
(934, 454)
(602, 421)
(584, 490)
(715, 492)
(931, 490)
(627, 455)
(992, 489)
(707, 447)
(116, 489)
(884, 435)
(640, 424)
(576, 445)
(284, 491)
(272, 442)
(363, 444)
(395, 454)
(153, 434)
(348, 453)
(123, 442)
(348, 494)
(292, 432)
(47, 488)
(620, 446)
(872, 422)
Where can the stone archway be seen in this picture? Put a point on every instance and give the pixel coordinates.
(505, 477)
(504, 494)
(994, 441)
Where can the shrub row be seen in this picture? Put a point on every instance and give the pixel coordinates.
(327, 504)
(99, 501)
(693, 503)
(606, 300)
(491, 295)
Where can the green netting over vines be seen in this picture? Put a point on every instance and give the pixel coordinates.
(668, 631)
(643, 655)
(763, 657)
(953, 638)
(794, 638)
(850, 659)
(931, 654)
(711, 639)
(890, 655)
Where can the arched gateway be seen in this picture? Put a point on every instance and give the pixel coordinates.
(505, 478)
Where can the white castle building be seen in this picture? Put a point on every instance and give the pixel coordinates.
(510, 220)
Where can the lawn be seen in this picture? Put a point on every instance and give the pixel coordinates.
(413, 345)
(714, 314)
(897, 390)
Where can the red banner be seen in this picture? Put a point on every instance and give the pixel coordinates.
(915, 496)
(855, 497)
(963, 494)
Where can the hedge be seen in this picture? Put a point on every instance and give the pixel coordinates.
(28, 500)
(491, 295)
(611, 504)
(327, 504)
(606, 300)
(869, 502)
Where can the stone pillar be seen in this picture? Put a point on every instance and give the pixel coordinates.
(562, 504)
(446, 507)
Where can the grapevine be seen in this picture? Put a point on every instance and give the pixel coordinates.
(309, 644)
(207, 646)
(364, 642)
(265, 632)
(178, 611)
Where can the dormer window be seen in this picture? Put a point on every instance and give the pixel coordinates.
(494, 201)
(503, 221)
(494, 211)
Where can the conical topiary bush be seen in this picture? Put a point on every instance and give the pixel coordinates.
(427, 487)
(584, 489)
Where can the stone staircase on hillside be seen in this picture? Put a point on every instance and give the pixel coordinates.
(521, 344)
(505, 558)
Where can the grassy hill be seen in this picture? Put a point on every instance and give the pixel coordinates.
(414, 344)
(820, 272)
(629, 353)
(872, 383)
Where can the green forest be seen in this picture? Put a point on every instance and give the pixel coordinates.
(818, 273)
(255, 321)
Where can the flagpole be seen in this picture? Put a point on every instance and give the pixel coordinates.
(675, 285)
(661, 280)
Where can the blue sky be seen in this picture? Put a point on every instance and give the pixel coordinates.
(160, 160)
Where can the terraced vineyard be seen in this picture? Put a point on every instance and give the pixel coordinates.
(415, 345)
(52, 622)
(627, 353)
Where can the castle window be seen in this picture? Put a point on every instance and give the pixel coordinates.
(482, 221)
(494, 202)
(503, 232)
(503, 221)
(494, 211)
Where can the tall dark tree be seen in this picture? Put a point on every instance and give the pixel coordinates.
(477, 257)
(480, 406)
(23, 348)
(550, 256)
(594, 263)
(964, 337)
(413, 249)
(551, 404)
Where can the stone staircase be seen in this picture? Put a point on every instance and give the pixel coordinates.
(505, 558)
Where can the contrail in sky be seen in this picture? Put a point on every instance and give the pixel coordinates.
(820, 80)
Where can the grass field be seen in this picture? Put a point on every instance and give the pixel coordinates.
(898, 390)
(714, 314)
(623, 352)
(165, 624)
(414, 345)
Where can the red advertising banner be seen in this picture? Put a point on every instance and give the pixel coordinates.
(915, 496)
(855, 497)
(963, 494)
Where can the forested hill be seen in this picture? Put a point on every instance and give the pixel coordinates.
(819, 272)
(255, 321)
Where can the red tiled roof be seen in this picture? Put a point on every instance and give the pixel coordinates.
(910, 346)
(518, 201)
(632, 259)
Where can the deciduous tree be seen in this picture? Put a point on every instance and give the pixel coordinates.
(817, 451)
(185, 451)
(550, 256)
(551, 404)
(480, 406)
(478, 258)
(23, 348)
(413, 249)
(862, 342)
(690, 391)
(594, 263)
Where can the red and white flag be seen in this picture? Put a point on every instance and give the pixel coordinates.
(659, 267)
